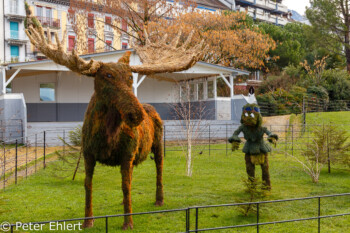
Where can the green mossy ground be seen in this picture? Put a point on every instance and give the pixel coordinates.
(217, 179)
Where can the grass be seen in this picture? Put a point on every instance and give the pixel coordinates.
(217, 179)
(341, 118)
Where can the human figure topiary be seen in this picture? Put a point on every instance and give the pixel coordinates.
(255, 149)
(118, 130)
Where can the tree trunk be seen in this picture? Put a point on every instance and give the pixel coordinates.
(347, 56)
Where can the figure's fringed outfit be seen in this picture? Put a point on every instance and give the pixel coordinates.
(255, 149)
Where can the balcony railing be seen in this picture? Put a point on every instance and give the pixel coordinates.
(49, 22)
(14, 34)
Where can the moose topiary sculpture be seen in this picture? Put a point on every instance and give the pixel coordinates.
(118, 129)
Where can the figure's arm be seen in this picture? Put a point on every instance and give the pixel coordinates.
(234, 139)
(272, 138)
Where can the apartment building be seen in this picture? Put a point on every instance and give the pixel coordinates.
(271, 11)
(53, 14)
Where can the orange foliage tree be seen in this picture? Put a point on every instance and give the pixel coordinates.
(231, 37)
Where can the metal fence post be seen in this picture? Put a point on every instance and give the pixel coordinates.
(226, 139)
(187, 219)
(257, 217)
(16, 162)
(44, 149)
(328, 154)
(292, 139)
(196, 219)
(26, 157)
(106, 224)
(64, 144)
(286, 140)
(164, 141)
(36, 144)
(4, 166)
(209, 140)
(319, 214)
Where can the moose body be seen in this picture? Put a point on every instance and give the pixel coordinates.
(118, 129)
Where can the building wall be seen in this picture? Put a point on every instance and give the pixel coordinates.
(73, 93)
(2, 32)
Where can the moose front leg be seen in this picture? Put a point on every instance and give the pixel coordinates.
(126, 170)
(89, 171)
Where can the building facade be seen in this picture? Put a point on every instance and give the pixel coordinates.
(53, 14)
(270, 11)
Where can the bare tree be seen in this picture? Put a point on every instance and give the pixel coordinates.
(192, 115)
(311, 164)
(127, 17)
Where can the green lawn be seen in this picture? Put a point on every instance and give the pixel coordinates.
(217, 179)
(341, 118)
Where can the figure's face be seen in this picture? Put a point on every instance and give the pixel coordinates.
(116, 74)
(251, 115)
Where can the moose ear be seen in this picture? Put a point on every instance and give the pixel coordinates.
(125, 59)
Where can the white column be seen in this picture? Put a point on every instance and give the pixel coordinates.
(232, 87)
(3, 80)
(135, 77)
(215, 89)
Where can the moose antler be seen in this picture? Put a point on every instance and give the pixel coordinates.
(56, 52)
(166, 58)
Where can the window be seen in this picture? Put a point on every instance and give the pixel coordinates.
(14, 52)
(39, 11)
(91, 20)
(192, 91)
(48, 12)
(71, 16)
(108, 22)
(14, 30)
(47, 92)
(9, 88)
(108, 45)
(71, 43)
(210, 89)
(124, 25)
(200, 91)
(222, 89)
(124, 45)
(13, 7)
(91, 45)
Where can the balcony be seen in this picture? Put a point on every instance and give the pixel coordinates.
(14, 35)
(267, 5)
(14, 12)
(49, 22)
(16, 38)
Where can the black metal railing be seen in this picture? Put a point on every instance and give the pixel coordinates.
(196, 228)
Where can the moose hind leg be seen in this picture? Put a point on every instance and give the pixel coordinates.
(89, 171)
(157, 150)
(265, 173)
(250, 168)
(126, 170)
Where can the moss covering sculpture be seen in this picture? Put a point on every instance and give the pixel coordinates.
(118, 129)
(255, 149)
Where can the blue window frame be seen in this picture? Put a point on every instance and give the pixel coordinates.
(14, 30)
(14, 51)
